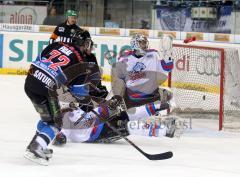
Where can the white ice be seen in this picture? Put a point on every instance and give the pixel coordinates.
(200, 152)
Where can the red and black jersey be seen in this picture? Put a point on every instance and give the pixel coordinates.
(62, 55)
(61, 62)
(64, 32)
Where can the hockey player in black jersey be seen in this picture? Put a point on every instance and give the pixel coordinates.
(65, 30)
(94, 95)
(58, 65)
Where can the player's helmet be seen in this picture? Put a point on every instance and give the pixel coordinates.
(71, 13)
(82, 38)
(139, 43)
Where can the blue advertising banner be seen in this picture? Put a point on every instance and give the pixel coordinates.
(179, 19)
(1, 50)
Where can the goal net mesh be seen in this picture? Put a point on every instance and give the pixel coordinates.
(197, 83)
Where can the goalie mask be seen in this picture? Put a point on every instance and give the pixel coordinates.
(139, 43)
(82, 38)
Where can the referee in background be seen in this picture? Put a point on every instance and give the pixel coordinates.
(65, 30)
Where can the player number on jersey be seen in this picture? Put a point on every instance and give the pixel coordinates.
(63, 60)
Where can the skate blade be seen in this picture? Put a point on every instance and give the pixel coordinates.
(30, 156)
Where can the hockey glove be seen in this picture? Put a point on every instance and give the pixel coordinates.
(101, 92)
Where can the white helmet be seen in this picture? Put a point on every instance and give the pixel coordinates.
(139, 43)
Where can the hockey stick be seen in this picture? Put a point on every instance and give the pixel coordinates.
(161, 156)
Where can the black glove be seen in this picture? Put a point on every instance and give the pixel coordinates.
(102, 92)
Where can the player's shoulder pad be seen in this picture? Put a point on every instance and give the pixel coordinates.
(152, 53)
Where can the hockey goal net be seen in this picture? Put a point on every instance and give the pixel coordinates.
(206, 83)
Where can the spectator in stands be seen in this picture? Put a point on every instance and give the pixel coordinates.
(52, 18)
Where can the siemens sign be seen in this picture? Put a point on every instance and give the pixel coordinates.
(23, 49)
(19, 49)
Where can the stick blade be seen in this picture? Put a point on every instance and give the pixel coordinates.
(162, 156)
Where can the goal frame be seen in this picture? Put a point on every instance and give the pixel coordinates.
(222, 77)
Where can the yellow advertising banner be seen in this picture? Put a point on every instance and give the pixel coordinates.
(46, 28)
(221, 37)
(142, 31)
(199, 36)
(12, 71)
(110, 31)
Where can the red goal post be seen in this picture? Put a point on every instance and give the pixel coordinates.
(198, 81)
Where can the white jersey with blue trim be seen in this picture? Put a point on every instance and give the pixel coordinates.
(143, 74)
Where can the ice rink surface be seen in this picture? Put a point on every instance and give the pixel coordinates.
(200, 152)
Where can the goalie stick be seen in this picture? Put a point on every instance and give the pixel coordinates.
(160, 156)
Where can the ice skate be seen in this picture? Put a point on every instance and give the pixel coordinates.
(37, 154)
